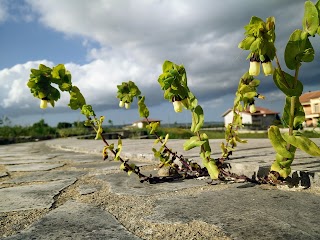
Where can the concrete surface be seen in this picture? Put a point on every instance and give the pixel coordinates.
(82, 197)
(76, 221)
(31, 196)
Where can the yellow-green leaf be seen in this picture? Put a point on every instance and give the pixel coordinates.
(212, 168)
(278, 143)
(192, 143)
(303, 143)
(310, 20)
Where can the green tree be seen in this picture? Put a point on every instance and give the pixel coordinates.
(64, 125)
(41, 128)
(110, 122)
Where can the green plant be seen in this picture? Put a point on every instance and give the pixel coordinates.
(46, 83)
(259, 40)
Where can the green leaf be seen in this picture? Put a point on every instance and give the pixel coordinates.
(167, 82)
(255, 20)
(284, 79)
(255, 46)
(310, 21)
(250, 95)
(53, 94)
(165, 140)
(88, 123)
(192, 143)
(299, 115)
(278, 143)
(43, 68)
(212, 168)
(167, 66)
(119, 149)
(58, 71)
(299, 49)
(246, 42)
(142, 108)
(100, 129)
(111, 146)
(206, 146)
(153, 126)
(254, 83)
(197, 119)
(132, 166)
(286, 163)
(98, 133)
(65, 87)
(303, 143)
(122, 166)
(134, 90)
(87, 111)
(76, 99)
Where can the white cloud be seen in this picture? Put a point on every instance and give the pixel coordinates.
(3, 10)
(99, 78)
(97, 81)
(203, 35)
(135, 37)
(14, 91)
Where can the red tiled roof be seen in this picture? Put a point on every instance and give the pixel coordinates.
(305, 98)
(259, 111)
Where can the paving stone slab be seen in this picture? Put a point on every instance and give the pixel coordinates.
(3, 174)
(33, 167)
(36, 196)
(103, 165)
(46, 176)
(81, 157)
(246, 212)
(88, 189)
(75, 220)
(16, 160)
(121, 183)
(11, 155)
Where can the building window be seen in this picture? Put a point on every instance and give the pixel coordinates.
(316, 108)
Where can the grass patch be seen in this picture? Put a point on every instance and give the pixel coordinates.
(175, 133)
(69, 132)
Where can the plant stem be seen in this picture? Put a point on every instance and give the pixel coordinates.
(293, 104)
(128, 167)
(282, 74)
(182, 160)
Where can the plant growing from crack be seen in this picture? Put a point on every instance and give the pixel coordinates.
(173, 81)
(127, 91)
(44, 84)
(259, 40)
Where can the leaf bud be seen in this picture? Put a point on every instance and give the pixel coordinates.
(260, 96)
(178, 106)
(43, 104)
(127, 105)
(121, 104)
(267, 68)
(254, 69)
(252, 108)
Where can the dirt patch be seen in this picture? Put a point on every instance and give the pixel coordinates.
(131, 211)
(16, 221)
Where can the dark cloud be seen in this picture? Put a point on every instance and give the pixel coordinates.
(137, 36)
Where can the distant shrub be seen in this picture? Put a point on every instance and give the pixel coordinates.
(69, 132)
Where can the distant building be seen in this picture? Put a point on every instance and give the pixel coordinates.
(142, 123)
(261, 119)
(310, 102)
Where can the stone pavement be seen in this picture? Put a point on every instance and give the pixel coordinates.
(61, 189)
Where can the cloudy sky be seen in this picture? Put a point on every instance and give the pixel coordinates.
(106, 42)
